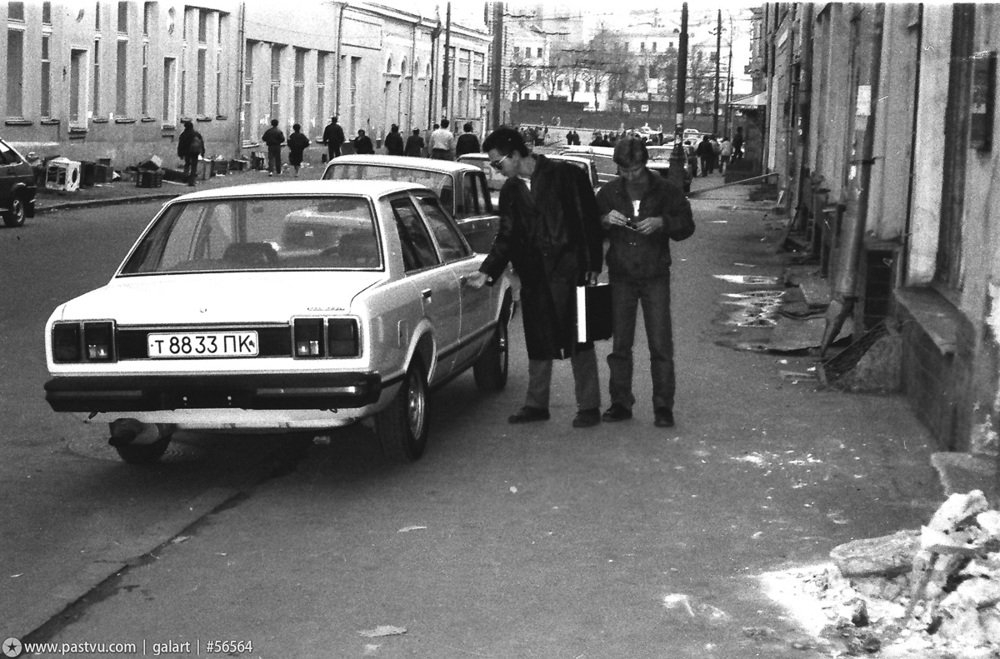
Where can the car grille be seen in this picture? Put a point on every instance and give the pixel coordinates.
(273, 341)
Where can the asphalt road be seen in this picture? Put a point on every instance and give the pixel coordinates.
(623, 540)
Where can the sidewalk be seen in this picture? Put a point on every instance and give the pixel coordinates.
(125, 192)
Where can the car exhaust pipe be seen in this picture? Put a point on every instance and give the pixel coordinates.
(133, 431)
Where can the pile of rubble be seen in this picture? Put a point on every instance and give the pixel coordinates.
(928, 593)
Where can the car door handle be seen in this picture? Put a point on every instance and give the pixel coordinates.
(426, 293)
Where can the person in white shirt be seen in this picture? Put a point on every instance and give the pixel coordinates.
(442, 143)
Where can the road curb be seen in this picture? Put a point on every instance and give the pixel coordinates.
(113, 558)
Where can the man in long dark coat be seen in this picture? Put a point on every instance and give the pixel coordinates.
(552, 236)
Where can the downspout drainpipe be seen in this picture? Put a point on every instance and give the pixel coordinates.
(240, 75)
(340, 38)
(413, 73)
(805, 108)
(846, 280)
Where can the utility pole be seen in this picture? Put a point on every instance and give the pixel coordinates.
(497, 67)
(446, 76)
(718, 63)
(678, 158)
(729, 78)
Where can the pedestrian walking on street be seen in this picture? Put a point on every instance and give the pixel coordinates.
(363, 144)
(738, 144)
(704, 153)
(716, 153)
(641, 212)
(415, 144)
(190, 147)
(442, 142)
(297, 143)
(467, 141)
(394, 142)
(725, 154)
(333, 138)
(552, 236)
(273, 138)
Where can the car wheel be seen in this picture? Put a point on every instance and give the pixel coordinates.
(403, 426)
(490, 370)
(15, 216)
(144, 454)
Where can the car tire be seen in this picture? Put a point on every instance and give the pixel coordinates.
(143, 454)
(490, 370)
(14, 217)
(403, 426)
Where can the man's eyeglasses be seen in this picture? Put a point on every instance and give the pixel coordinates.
(495, 164)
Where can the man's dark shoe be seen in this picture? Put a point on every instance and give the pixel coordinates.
(664, 418)
(528, 414)
(617, 412)
(587, 418)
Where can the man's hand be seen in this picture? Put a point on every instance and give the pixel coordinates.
(476, 280)
(648, 225)
(614, 218)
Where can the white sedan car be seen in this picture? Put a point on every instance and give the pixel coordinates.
(281, 306)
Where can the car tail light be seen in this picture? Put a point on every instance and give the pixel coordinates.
(342, 337)
(99, 341)
(307, 336)
(66, 345)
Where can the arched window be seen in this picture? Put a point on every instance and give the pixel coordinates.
(416, 67)
(388, 65)
(402, 68)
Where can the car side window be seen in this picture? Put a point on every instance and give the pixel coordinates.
(448, 237)
(418, 250)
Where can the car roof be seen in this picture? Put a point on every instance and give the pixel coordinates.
(474, 156)
(596, 150)
(305, 188)
(570, 158)
(408, 162)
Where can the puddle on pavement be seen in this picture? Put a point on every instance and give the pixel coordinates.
(750, 280)
(753, 308)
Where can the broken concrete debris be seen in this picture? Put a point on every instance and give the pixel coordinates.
(933, 592)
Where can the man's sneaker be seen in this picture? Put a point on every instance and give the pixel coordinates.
(587, 418)
(528, 414)
(664, 418)
(617, 412)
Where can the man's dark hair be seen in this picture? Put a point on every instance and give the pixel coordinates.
(444, 123)
(393, 128)
(188, 124)
(506, 140)
(274, 122)
(416, 131)
(334, 118)
(630, 152)
(361, 132)
(468, 127)
(296, 126)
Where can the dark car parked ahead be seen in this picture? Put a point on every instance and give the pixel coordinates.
(17, 187)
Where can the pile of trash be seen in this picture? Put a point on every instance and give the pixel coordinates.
(928, 593)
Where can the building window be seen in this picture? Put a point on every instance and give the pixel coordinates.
(46, 13)
(121, 88)
(248, 74)
(169, 87)
(202, 81)
(147, 18)
(97, 16)
(77, 94)
(122, 17)
(202, 26)
(321, 89)
(183, 82)
(517, 51)
(654, 46)
(96, 96)
(46, 90)
(15, 11)
(539, 51)
(299, 100)
(276, 81)
(642, 46)
(15, 71)
(144, 109)
(559, 85)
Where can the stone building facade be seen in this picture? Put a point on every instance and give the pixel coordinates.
(117, 79)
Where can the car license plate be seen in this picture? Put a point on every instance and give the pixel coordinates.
(202, 344)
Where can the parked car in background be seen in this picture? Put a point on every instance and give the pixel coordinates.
(659, 162)
(281, 306)
(17, 186)
(494, 179)
(582, 162)
(601, 156)
(460, 186)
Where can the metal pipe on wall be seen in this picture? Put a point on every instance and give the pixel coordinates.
(852, 233)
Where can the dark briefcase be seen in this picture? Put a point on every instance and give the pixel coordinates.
(593, 313)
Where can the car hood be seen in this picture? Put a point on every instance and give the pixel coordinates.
(220, 298)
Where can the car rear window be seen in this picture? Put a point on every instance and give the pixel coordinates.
(280, 233)
(441, 184)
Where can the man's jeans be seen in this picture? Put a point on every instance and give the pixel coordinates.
(585, 378)
(274, 160)
(654, 295)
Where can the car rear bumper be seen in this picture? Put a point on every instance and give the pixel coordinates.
(284, 391)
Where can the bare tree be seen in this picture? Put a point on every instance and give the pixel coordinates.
(520, 74)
